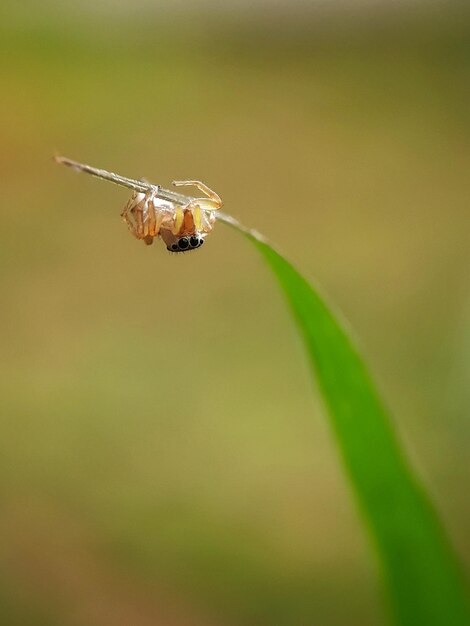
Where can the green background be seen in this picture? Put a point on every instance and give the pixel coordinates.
(159, 460)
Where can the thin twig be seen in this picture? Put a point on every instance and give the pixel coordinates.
(131, 183)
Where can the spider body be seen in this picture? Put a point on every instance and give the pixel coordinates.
(182, 222)
(182, 227)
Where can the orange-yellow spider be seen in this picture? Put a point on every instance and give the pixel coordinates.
(182, 222)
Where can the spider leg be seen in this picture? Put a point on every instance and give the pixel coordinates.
(141, 208)
(156, 216)
(130, 206)
(213, 200)
(178, 220)
(151, 219)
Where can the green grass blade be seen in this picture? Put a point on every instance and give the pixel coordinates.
(421, 573)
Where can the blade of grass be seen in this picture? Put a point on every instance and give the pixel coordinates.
(422, 576)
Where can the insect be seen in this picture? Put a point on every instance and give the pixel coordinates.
(182, 222)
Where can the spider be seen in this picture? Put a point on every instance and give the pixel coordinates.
(182, 222)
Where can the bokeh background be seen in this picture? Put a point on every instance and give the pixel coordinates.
(164, 458)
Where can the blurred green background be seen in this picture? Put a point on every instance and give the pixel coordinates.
(163, 459)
